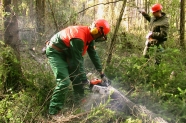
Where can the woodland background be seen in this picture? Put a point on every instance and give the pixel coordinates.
(26, 80)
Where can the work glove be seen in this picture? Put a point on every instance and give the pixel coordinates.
(105, 80)
(86, 83)
(140, 10)
(103, 77)
(153, 42)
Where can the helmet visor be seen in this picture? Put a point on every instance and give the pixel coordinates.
(102, 33)
(101, 39)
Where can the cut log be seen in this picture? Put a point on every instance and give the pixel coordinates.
(121, 103)
(138, 110)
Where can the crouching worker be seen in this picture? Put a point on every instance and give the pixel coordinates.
(65, 52)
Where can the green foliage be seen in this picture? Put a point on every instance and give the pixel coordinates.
(16, 108)
(27, 104)
(130, 120)
(10, 69)
(128, 67)
(100, 114)
(40, 81)
(137, 72)
(31, 100)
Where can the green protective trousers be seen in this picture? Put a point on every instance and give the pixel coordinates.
(60, 69)
(64, 74)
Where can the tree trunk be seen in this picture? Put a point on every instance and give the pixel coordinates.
(182, 23)
(113, 39)
(31, 10)
(11, 33)
(120, 103)
(53, 15)
(15, 3)
(40, 18)
(138, 111)
(146, 9)
(11, 58)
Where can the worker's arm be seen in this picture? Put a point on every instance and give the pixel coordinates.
(146, 16)
(76, 49)
(94, 57)
(162, 34)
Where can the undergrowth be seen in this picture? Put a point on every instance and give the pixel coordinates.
(30, 104)
(152, 83)
(32, 99)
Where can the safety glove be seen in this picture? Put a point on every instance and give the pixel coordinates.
(103, 77)
(153, 42)
(105, 80)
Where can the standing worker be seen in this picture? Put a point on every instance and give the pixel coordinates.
(65, 52)
(158, 30)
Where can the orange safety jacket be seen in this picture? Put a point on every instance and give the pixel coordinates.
(80, 32)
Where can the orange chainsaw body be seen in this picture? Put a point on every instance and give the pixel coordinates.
(95, 81)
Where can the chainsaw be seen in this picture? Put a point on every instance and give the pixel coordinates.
(100, 85)
(100, 82)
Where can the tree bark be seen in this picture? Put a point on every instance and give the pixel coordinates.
(120, 103)
(11, 58)
(113, 39)
(40, 18)
(146, 9)
(53, 15)
(182, 23)
(11, 32)
(138, 111)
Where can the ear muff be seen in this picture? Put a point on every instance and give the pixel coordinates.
(93, 30)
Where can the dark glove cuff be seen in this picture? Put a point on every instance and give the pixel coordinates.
(102, 75)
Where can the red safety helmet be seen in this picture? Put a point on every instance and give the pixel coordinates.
(156, 7)
(102, 25)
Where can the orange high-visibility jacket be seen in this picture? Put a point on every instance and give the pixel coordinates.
(81, 32)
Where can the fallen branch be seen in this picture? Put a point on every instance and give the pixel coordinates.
(122, 103)
(138, 110)
(71, 117)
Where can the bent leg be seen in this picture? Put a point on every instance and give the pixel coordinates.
(60, 69)
(76, 82)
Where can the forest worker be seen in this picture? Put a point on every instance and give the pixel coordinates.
(65, 52)
(158, 29)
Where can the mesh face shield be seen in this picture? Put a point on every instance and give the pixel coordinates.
(103, 36)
